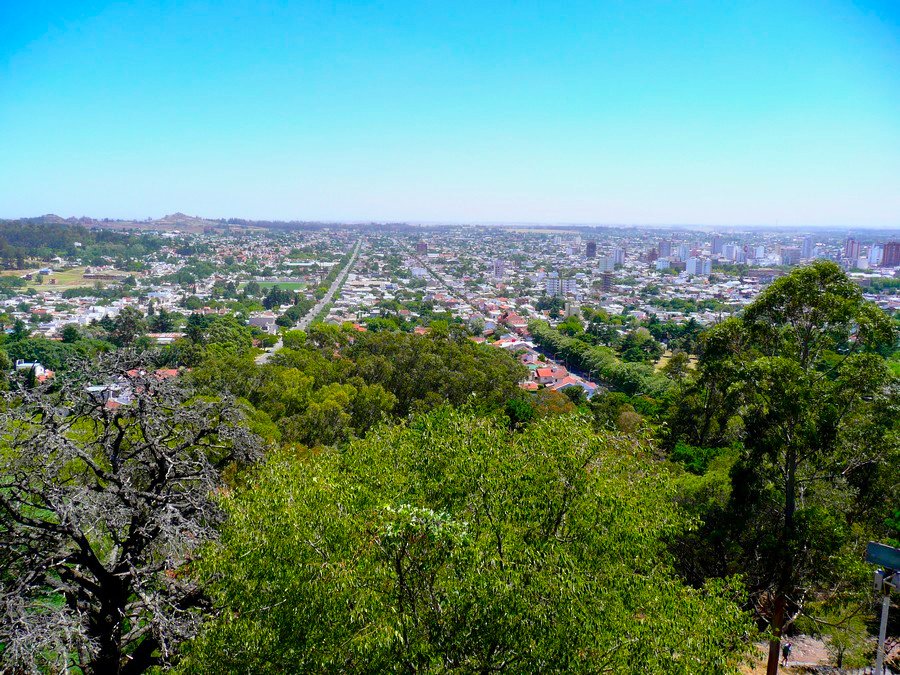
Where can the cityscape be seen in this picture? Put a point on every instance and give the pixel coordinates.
(449, 337)
(490, 281)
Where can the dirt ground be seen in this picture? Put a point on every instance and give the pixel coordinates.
(807, 651)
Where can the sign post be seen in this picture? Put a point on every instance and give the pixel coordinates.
(886, 579)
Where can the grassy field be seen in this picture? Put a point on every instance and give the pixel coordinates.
(285, 286)
(71, 278)
(665, 358)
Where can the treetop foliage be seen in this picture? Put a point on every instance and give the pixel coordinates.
(455, 544)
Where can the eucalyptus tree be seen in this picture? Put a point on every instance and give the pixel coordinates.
(800, 380)
(107, 476)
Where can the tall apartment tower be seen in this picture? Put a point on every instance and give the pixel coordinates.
(876, 253)
(422, 247)
(499, 268)
(790, 255)
(607, 282)
(619, 256)
(665, 248)
(891, 255)
(551, 284)
(590, 250)
(716, 244)
(808, 248)
(606, 264)
(851, 249)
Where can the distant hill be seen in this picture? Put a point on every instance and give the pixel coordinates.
(181, 222)
(175, 221)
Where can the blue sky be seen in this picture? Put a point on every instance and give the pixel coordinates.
(675, 111)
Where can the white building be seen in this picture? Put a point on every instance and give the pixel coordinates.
(699, 266)
(876, 255)
(553, 285)
(606, 264)
(37, 368)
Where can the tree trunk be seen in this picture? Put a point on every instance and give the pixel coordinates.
(106, 661)
(787, 560)
(775, 642)
(106, 632)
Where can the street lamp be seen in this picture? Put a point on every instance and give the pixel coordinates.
(886, 579)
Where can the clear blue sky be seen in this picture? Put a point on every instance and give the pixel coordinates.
(675, 111)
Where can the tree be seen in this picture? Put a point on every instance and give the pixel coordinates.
(6, 365)
(429, 369)
(816, 407)
(70, 333)
(575, 394)
(20, 330)
(678, 366)
(129, 324)
(816, 390)
(457, 544)
(162, 321)
(294, 339)
(378, 324)
(252, 289)
(276, 297)
(227, 335)
(102, 507)
(572, 326)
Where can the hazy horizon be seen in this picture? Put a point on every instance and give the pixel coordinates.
(698, 227)
(650, 113)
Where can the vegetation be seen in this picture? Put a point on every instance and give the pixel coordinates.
(24, 239)
(602, 361)
(417, 510)
(103, 507)
(454, 544)
(800, 382)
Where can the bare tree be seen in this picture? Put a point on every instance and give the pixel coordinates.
(106, 494)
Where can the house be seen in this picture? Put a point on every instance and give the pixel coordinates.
(529, 359)
(265, 321)
(41, 374)
(165, 338)
(569, 381)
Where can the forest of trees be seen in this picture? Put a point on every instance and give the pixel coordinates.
(383, 501)
(22, 240)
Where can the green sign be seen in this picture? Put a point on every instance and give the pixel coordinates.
(883, 555)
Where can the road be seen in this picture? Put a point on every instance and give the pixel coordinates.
(551, 358)
(303, 324)
(442, 281)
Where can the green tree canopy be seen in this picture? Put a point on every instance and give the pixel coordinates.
(455, 544)
(801, 382)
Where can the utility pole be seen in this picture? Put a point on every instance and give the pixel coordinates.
(886, 579)
(882, 632)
